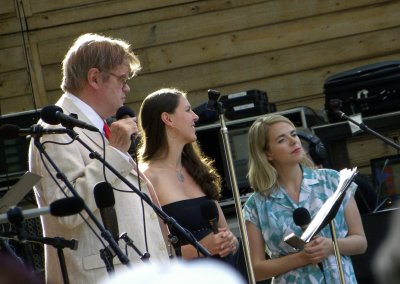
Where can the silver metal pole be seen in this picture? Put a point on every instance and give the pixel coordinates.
(236, 197)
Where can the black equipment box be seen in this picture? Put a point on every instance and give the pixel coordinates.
(370, 90)
(246, 104)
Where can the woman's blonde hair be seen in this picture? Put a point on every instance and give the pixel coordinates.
(262, 175)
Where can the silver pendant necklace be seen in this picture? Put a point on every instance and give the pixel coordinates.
(179, 175)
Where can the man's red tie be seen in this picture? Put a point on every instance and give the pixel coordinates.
(107, 131)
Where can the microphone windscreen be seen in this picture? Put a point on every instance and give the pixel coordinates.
(124, 111)
(209, 210)
(104, 195)
(49, 114)
(301, 217)
(9, 131)
(66, 206)
(213, 96)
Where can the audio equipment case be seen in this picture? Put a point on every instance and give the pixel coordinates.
(370, 90)
(246, 104)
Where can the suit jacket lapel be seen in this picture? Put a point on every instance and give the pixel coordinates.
(70, 107)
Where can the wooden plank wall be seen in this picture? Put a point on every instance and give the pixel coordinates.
(285, 47)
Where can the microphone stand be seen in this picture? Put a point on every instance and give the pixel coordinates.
(164, 216)
(107, 255)
(376, 134)
(59, 243)
(330, 218)
(367, 129)
(104, 233)
(238, 206)
(4, 245)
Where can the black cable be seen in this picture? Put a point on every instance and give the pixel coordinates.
(135, 158)
(63, 191)
(130, 191)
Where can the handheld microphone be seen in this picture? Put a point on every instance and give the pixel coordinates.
(209, 211)
(126, 112)
(59, 208)
(105, 201)
(54, 115)
(10, 131)
(302, 218)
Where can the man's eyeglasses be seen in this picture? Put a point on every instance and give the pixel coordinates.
(122, 78)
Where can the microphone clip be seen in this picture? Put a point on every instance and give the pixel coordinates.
(129, 242)
(107, 254)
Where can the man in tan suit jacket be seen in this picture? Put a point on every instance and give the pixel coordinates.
(95, 74)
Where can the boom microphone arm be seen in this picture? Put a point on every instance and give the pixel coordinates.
(367, 129)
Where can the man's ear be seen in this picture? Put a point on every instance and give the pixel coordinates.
(93, 77)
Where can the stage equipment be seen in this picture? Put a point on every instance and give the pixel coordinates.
(54, 115)
(364, 127)
(218, 106)
(316, 149)
(59, 208)
(60, 175)
(246, 104)
(107, 235)
(371, 89)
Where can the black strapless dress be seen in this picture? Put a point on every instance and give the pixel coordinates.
(188, 214)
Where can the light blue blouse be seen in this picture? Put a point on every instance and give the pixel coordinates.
(273, 215)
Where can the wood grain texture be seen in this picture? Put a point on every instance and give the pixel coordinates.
(284, 47)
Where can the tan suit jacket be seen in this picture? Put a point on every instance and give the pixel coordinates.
(84, 265)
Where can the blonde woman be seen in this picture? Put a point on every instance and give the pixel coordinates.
(283, 179)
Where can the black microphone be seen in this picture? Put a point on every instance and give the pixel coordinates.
(209, 211)
(213, 96)
(126, 112)
(59, 208)
(105, 201)
(54, 115)
(11, 131)
(335, 104)
(302, 218)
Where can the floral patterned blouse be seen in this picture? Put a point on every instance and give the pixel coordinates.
(273, 215)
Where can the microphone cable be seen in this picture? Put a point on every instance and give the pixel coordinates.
(63, 191)
(122, 112)
(126, 111)
(135, 158)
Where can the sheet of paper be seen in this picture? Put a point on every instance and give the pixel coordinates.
(353, 127)
(346, 177)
